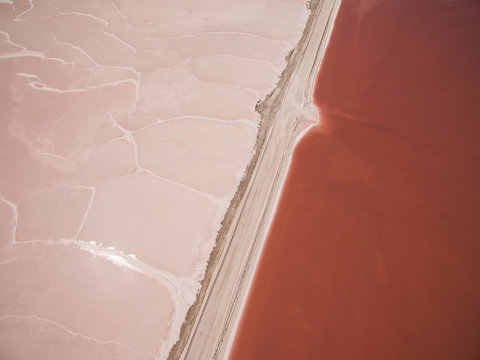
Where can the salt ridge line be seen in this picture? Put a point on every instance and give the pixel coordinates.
(67, 330)
(182, 290)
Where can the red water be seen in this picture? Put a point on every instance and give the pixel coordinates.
(374, 252)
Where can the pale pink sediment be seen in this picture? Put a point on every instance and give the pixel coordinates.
(126, 128)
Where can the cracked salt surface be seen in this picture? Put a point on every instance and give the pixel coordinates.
(126, 129)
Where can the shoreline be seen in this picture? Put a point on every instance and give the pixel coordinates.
(372, 252)
(312, 108)
(213, 318)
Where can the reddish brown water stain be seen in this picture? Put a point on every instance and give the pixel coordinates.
(374, 252)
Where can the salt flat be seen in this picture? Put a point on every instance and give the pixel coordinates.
(126, 128)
